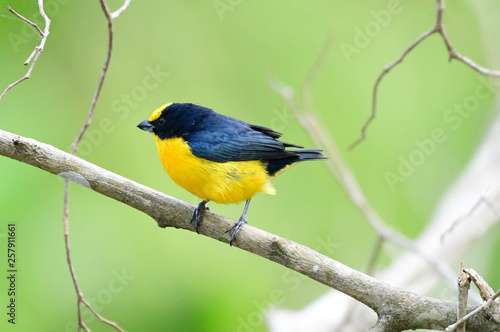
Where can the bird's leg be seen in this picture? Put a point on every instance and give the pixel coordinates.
(236, 227)
(198, 214)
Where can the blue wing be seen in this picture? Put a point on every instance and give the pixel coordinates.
(221, 139)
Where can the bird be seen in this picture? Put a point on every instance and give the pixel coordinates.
(219, 158)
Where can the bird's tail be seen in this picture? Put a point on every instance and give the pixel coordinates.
(277, 166)
(309, 154)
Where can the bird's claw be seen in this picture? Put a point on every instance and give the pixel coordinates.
(236, 228)
(197, 215)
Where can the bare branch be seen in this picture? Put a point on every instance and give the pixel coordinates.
(38, 49)
(401, 308)
(74, 147)
(384, 72)
(482, 200)
(79, 294)
(26, 20)
(377, 248)
(97, 92)
(101, 318)
(452, 54)
(485, 290)
(120, 10)
(307, 85)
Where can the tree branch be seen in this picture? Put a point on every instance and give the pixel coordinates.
(452, 54)
(397, 308)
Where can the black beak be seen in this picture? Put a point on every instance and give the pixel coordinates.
(146, 126)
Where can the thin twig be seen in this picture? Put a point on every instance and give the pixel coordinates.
(384, 72)
(482, 200)
(120, 10)
(101, 318)
(79, 294)
(474, 312)
(307, 85)
(377, 248)
(38, 49)
(97, 92)
(74, 147)
(452, 54)
(26, 20)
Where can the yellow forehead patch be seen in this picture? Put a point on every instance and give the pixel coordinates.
(156, 114)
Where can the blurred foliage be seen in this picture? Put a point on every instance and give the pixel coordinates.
(221, 54)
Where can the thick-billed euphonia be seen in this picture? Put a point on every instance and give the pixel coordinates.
(219, 158)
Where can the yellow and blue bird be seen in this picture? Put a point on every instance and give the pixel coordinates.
(219, 158)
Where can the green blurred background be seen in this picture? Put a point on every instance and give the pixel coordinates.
(221, 54)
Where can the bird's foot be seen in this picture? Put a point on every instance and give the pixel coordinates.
(197, 215)
(236, 227)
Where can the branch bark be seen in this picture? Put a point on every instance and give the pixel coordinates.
(397, 309)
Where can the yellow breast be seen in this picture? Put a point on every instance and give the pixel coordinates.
(228, 182)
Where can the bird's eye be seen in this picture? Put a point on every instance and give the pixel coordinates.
(161, 121)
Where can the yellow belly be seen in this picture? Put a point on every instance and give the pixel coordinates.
(228, 182)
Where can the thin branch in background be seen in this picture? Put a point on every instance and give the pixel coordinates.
(452, 54)
(341, 170)
(384, 72)
(482, 200)
(377, 249)
(110, 16)
(101, 318)
(312, 75)
(120, 10)
(26, 20)
(38, 49)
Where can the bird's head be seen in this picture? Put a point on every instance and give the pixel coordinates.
(157, 122)
(174, 120)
